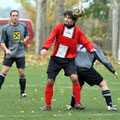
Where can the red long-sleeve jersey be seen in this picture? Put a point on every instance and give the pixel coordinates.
(66, 41)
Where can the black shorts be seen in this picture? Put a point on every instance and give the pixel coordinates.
(90, 76)
(20, 62)
(56, 64)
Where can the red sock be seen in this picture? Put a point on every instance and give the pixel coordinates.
(48, 95)
(77, 92)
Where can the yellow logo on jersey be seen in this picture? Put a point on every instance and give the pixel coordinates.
(16, 35)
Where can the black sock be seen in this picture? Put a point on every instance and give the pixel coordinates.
(22, 82)
(73, 100)
(107, 95)
(2, 78)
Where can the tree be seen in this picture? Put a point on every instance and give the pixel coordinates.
(110, 20)
(98, 9)
(115, 28)
(40, 27)
(30, 10)
(59, 11)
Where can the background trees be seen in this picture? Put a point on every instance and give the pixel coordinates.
(115, 28)
(101, 20)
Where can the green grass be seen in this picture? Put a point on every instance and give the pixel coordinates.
(14, 108)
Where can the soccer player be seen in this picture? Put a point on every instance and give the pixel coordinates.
(84, 62)
(66, 37)
(13, 38)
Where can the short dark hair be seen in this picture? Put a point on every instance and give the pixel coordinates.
(14, 11)
(98, 41)
(71, 15)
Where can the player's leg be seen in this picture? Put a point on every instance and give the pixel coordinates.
(81, 81)
(7, 63)
(20, 63)
(89, 76)
(71, 71)
(107, 95)
(3, 73)
(52, 71)
(22, 82)
(77, 92)
(94, 78)
(76, 87)
(48, 94)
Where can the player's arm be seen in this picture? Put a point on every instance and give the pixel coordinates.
(26, 35)
(43, 52)
(24, 40)
(49, 41)
(116, 75)
(8, 52)
(86, 43)
(2, 41)
(101, 58)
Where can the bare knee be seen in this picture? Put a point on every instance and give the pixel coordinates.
(74, 78)
(103, 85)
(50, 82)
(21, 72)
(5, 69)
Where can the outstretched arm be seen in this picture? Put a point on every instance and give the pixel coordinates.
(116, 75)
(102, 58)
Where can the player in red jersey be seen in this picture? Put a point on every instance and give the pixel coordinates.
(66, 37)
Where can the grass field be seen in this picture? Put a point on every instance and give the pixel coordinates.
(14, 108)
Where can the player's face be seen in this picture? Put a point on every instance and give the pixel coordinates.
(14, 18)
(68, 20)
(99, 46)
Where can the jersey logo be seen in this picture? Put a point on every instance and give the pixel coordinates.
(16, 35)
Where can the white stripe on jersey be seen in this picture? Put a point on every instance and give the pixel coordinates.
(62, 51)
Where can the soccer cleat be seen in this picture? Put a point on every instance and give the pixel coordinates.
(70, 108)
(113, 108)
(46, 108)
(23, 95)
(79, 106)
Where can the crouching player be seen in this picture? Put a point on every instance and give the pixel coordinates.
(84, 63)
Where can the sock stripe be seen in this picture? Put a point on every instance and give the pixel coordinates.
(22, 77)
(73, 95)
(3, 75)
(108, 94)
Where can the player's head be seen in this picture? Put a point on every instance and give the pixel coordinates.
(69, 13)
(14, 11)
(69, 19)
(14, 16)
(72, 16)
(98, 42)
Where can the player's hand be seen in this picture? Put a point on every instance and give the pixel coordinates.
(116, 75)
(43, 52)
(8, 52)
(93, 50)
(23, 42)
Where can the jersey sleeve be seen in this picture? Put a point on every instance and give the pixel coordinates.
(3, 36)
(85, 42)
(26, 31)
(101, 58)
(50, 40)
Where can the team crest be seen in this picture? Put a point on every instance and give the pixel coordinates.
(16, 35)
